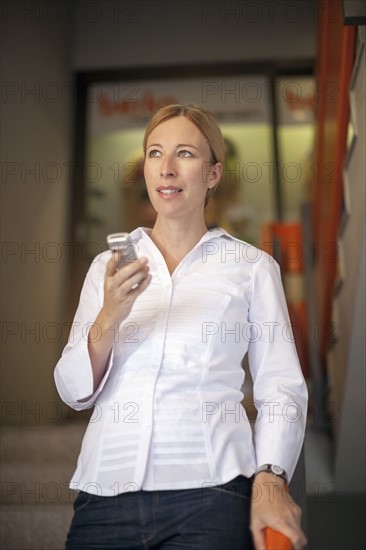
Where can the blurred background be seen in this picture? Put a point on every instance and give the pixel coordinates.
(80, 79)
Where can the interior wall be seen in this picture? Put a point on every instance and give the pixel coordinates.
(347, 375)
(163, 32)
(36, 117)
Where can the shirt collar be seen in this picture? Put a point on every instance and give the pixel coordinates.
(141, 232)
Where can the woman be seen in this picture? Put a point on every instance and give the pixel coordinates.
(168, 459)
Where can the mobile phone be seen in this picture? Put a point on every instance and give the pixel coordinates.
(123, 242)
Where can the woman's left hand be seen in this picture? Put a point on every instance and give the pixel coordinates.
(273, 507)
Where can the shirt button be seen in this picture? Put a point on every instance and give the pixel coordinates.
(154, 366)
(162, 309)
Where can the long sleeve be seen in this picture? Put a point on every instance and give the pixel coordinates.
(73, 372)
(279, 390)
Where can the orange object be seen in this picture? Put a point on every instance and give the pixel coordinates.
(283, 241)
(277, 541)
(299, 323)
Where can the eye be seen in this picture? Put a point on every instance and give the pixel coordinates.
(184, 153)
(154, 153)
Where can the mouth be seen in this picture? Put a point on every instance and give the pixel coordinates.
(168, 192)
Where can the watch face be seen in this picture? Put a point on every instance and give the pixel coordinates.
(277, 470)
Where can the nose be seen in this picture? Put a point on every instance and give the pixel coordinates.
(168, 167)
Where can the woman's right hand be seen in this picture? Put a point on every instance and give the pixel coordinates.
(119, 296)
(119, 283)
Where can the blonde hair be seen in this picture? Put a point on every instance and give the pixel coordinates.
(203, 120)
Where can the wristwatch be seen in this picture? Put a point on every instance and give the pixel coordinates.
(273, 469)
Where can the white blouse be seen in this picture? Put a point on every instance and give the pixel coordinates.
(168, 412)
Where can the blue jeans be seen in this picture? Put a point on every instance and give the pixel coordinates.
(209, 518)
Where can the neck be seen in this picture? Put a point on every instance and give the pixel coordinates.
(175, 239)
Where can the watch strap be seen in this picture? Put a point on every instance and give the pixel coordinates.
(273, 469)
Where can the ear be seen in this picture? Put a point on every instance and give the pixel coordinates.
(214, 174)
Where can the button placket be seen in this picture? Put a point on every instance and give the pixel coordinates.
(152, 375)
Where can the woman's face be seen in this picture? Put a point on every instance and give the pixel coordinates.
(177, 168)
